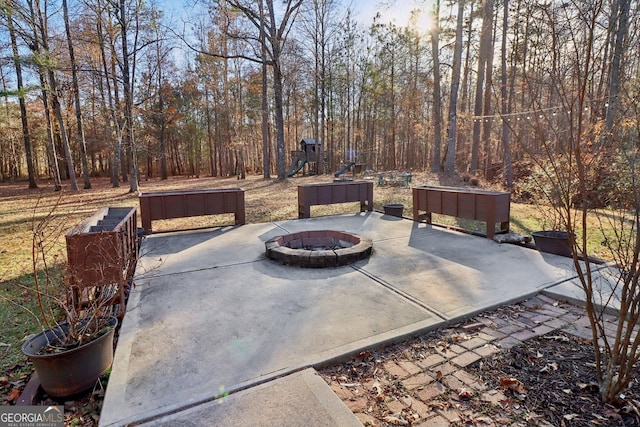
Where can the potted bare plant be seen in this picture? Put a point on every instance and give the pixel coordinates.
(548, 198)
(75, 346)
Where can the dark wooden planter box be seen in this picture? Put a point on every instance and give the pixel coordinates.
(334, 192)
(102, 252)
(480, 205)
(180, 204)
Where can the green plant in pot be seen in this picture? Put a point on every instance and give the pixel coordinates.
(75, 346)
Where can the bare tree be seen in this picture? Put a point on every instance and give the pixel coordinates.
(571, 174)
(264, 107)
(127, 89)
(437, 101)
(621, 24)
(508, 168)
(41, 24)
(450, 162)
(484, 68)
(276, 32)
(21, 95)
(76, 96)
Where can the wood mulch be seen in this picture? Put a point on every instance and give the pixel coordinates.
(528, 364)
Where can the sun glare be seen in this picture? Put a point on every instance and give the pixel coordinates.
(415, 14)
(420, 20)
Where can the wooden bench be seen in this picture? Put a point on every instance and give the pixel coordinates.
(180, 204)
(480, 205)
(334, 192)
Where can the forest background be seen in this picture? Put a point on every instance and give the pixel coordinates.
(120, 88)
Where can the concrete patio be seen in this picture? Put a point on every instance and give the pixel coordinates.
(216, 334)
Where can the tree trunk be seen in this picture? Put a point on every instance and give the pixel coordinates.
(616, 69)
(508, 168)
(280, 154)
(485, 47)
(53, 89)
(114, 120)
(266, 158)
(23, 107)
(128, 101)
(53, 156)
(437, 103)
(207, 112)
(450, 163)
(76, 96)
(487, 110)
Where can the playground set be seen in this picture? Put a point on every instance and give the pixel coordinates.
(305, 160)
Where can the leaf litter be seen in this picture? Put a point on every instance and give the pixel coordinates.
(546, 381)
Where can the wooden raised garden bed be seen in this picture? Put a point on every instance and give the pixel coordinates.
(180, 204)
(334, 192)
(102, 252)
(488, 206)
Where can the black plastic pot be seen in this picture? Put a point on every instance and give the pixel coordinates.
(394, 209)
(553, 242)
(73, 371)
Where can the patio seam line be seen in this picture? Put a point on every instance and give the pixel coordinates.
(400, 293)
(235, 264)
(175, 410)
(548, 291)
(275, 224)
(546, 287)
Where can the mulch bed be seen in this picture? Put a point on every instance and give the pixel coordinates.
(81, 410)
(556, 380)
(548, 380)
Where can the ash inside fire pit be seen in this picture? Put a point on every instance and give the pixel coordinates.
(318, 249)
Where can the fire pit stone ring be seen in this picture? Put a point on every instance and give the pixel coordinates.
(318, 249)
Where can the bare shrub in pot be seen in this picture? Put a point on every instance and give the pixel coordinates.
(587, 167)
(75, 346)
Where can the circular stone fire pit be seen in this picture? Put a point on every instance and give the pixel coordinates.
(318, 249)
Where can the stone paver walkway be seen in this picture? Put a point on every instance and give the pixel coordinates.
(432, 375)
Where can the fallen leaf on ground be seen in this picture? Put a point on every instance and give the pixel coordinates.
(513, 384)
(379, 392)
(363, 355)
(553, 366)
(396, 421)
(14, 395)
(350, 384)
(464, 393)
